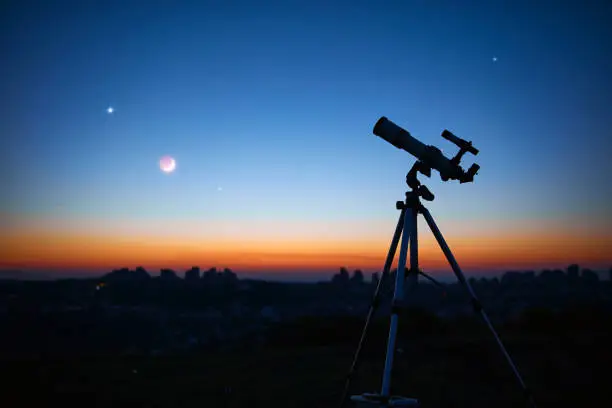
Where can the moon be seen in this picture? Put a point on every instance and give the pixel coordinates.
(167, 164)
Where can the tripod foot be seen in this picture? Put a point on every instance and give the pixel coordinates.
(376, 400)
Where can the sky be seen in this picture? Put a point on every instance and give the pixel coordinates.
(268, 109)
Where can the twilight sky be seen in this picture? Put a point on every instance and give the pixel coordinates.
(268, 109)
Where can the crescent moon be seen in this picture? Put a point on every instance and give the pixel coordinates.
(167, 164)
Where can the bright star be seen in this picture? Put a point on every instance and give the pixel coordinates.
(110, 109)
(494, 59)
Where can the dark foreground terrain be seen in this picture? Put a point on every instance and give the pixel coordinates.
(212, 340)
(566, 363)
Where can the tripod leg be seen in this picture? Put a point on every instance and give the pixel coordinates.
(375, 303)
(398, 296)
(475, 302)
(414, 254)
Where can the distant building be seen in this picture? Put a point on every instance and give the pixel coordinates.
(210, 275)
(552, 278)
(192, 275)
(125, 275)
(515, 279)
(141, 273)
(342, 278)
(168, 275)
(357, 277)
(229, 276)
(573, 272)
(590, 276)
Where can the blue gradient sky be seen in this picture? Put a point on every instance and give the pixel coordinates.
(274, 102)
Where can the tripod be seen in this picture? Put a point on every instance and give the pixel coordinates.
(407, 229)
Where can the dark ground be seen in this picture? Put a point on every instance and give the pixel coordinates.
(458, 366)
(66, 343)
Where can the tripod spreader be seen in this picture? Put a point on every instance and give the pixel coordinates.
(429, 278)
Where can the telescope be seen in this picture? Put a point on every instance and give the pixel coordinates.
(430, 157)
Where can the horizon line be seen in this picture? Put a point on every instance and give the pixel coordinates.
(273, 274)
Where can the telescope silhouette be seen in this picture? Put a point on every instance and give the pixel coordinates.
(430, 156)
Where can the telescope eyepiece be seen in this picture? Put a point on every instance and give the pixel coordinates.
(473, 170)
(468, 177)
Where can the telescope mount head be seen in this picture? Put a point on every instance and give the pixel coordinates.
(414, 183)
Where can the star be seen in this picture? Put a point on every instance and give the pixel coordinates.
(219, 189)
(110, 110)
(494, 59)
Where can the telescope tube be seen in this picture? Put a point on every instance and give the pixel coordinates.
(429, 155)
(398, 137)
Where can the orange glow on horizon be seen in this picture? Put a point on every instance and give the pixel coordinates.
(40, 246)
